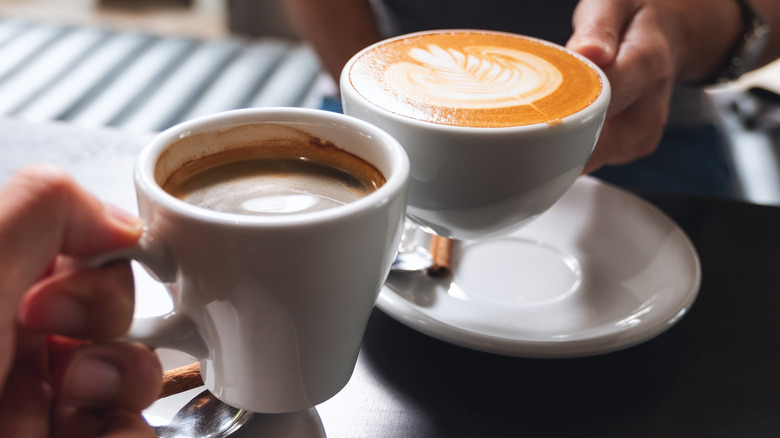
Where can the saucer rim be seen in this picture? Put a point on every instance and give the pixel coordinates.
(410, 315)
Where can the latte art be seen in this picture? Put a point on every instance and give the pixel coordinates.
(474, 79)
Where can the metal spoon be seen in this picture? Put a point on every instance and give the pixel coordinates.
(204, 417)
(411, 256)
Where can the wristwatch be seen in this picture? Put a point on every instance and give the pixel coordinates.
(748, 49)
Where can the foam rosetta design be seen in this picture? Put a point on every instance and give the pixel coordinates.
(474, 79)
(475, 76)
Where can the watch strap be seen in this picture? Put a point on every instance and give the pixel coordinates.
(748, 49)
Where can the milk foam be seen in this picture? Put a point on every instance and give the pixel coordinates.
(269, 187)
(272, 194)
(474, 79)
(475, 76)
(280, 204)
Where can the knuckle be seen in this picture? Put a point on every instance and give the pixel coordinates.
(44, 182)
(653, 58)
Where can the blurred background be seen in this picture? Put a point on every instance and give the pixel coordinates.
(205, 18)
(145, 65)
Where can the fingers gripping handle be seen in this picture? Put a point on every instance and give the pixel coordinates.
(173, 330)
(150, 252)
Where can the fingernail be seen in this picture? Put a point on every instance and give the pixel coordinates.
(91, 379)
(596, 50)
(56, 313)
(123, 217)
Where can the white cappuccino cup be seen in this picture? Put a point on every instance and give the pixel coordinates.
(497, 126)
(273, 305)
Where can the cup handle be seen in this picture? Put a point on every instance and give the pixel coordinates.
(173, 330)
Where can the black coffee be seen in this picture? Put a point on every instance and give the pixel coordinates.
(275, 178)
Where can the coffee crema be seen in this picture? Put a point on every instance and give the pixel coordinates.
(275, 177)
(474, 79)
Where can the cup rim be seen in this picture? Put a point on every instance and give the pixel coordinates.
(144, 173)
(582, 116)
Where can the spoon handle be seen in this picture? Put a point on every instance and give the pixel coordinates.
(181, 379)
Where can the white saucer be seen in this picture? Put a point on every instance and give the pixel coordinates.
(600, 271)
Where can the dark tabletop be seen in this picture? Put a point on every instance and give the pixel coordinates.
(716, 373)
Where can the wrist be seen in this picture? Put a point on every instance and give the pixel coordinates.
(745, 49)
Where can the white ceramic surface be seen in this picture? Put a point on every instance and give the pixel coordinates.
(600, 271)
(273, 307)
(473, 183)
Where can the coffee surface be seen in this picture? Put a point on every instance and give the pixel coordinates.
(474, 79)
(274, 178)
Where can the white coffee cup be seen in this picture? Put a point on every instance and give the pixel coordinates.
(273, 307)
(477, 182)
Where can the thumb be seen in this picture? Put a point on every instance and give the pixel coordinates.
(44, 213)
(598, 27)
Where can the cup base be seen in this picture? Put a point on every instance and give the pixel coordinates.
(521, 272)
